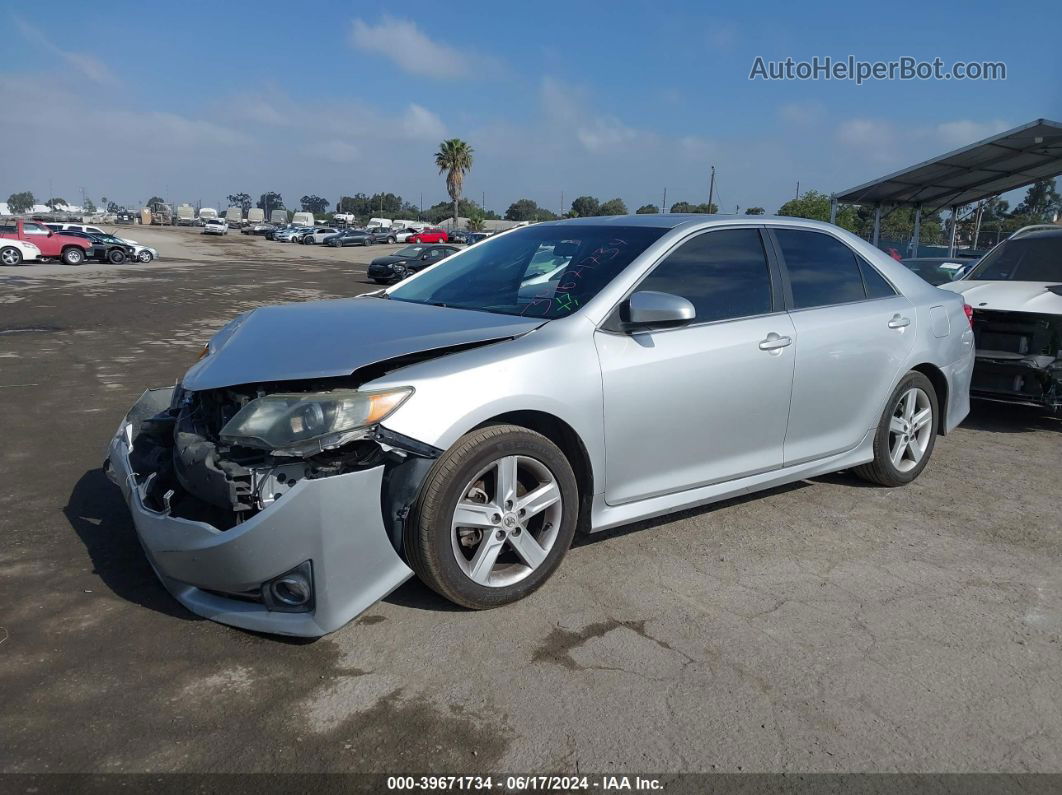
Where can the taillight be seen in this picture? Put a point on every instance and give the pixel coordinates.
(969, 313)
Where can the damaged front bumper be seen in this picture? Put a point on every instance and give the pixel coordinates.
(333, 523)
(1019, 358)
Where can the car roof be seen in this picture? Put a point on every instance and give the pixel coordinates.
(672, 220)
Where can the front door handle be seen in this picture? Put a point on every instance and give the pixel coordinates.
(775, 342)
(898, 321)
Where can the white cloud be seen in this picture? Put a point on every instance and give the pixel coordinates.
(802, 113)
(723, 36)
(421, 123)
(964, 132)
(335, 151)
(88, 66)
(411, 49)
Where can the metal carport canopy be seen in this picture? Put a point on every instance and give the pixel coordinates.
(995, 165)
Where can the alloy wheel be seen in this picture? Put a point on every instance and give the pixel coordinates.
(506, 521)
(910, 429)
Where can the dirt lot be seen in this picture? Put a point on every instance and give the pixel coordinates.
(825, 626)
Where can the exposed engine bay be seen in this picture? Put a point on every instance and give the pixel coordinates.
(192, 472)
(1019, 357)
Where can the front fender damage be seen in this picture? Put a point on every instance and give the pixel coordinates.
(220, 526)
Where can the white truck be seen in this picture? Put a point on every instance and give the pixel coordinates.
(255, 215)
(185, 215)
(345, 219)
(279, 217)
(234, 216)
(207, 214)
(303, 219)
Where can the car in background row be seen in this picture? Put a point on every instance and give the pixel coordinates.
(215, 226)
(15, 252)
(1015, 291)
(141, 253)
(408, 260)
(66, 248)
(474, 237)
(431, 234)
(360, 237)
(258, 228)
(316, 234)
(104, 247)
(938, 270)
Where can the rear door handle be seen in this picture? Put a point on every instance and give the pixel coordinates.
(898, 321)
(775, 342)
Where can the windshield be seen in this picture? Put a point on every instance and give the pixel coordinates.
(409, 251)
(1024, 259)
(547, 271)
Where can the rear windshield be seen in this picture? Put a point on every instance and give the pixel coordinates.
(547, 271)
(1028, 259)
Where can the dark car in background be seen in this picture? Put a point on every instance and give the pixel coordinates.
(104, 247)
(939, 270)
(408, 260)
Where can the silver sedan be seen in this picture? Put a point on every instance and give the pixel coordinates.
(577, 375)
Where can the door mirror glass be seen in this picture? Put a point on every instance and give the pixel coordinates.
(650, 308)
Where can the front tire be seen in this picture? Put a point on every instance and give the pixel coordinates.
(115, 256)
(906, 434)
(10, 255)
(494, 518)
(72, 256)
(145, 256)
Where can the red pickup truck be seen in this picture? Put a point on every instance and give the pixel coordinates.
(53, 245)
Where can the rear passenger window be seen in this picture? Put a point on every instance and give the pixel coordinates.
(875, 283)
(822, 270)
(724, 274)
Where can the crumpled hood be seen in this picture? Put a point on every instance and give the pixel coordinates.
(1009, 296)
(323, 339)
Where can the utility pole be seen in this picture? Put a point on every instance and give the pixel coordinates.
(421, 216)
(797, 196)
(663, 206)
(562, 204)
(483, 202)
(711, 188)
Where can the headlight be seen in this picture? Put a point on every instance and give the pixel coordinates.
(296, 424)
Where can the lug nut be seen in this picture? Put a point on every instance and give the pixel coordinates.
(500, 535)
(523, 512)
(496, 518)
(508, 505)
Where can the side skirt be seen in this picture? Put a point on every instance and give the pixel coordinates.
(604, 516)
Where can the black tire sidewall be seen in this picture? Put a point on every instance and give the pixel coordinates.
(881, 440)
(443, 487)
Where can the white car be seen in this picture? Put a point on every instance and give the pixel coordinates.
(1015, 292)
(403, 235)
(316, 235)
(141, 252)
(15, 252)
(215, 226)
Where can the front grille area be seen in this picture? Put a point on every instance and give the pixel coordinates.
(1018, 354)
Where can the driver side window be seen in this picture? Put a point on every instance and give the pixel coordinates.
(723, 273)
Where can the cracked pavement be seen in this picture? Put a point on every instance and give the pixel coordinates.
(823, 626)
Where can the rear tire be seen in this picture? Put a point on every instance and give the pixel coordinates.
(72, 256)
(906, 434)
(10, 255)
(491, 476)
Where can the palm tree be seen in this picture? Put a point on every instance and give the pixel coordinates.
(455, 158)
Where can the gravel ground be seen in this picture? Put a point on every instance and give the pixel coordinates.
(825, 626)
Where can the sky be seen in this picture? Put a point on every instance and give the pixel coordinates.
(627, 99)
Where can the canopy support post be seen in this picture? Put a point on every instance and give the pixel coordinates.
(877, 225)
(916, 237)
(954, 229)
(833, 209)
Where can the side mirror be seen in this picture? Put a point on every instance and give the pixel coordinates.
(423, 256)
(650, 308)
